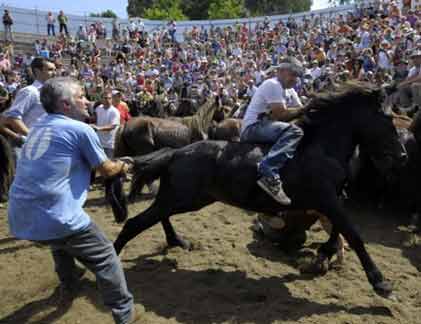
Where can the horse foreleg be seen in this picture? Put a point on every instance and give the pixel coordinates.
(173, 239)
(340, 253)
(341, 224)
(156, 213)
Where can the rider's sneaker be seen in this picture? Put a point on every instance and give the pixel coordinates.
(273, 186)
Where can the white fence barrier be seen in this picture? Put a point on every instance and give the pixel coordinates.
(34, 21)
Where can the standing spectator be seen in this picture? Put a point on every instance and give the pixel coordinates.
(51, 20)
(7, 23)
(172, 28)
(27, 107)
(107, 121)
(115, 31)
(50, 189)
(92, 33)
(62, 20)
(121, 106)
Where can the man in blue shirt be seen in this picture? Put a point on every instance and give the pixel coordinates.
(51, 186)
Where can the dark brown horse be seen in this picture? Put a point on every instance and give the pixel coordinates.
(143, 135)
(7, 167)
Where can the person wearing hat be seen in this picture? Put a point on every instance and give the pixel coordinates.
(410, 89)
(121, 106)
(267, 121)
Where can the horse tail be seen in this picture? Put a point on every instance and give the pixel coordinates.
(120, 145)
(115, 196)
(7, 167)
(152, 165)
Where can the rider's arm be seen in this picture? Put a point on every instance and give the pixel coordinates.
(280, 112)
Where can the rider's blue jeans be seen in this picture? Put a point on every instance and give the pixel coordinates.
(285, 137)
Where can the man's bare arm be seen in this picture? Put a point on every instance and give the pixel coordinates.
(112, 168)
(281, 113)
(16, 125)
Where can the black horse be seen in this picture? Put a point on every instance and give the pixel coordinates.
(199, 174)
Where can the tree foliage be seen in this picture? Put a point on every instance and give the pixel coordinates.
(213, 9)
(276, 7)
(226, 9)
(165, 10)
(105, 14)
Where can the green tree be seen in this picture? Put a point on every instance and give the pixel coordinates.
(226, 9)
(201, 9)
(273, 7)
(165, 10)
(195, 9)
(105, 14)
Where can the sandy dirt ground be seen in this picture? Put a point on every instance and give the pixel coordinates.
(228, 277)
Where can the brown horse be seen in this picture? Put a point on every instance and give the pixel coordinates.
(7, 167)
(143, 135)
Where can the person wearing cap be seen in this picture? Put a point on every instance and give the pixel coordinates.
(121, 106)
(410, 89)
(262, 124)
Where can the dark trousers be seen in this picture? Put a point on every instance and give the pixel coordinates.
(51, 30)
(64, 27)
(91, 248)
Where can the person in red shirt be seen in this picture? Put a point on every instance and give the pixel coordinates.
(121, 107)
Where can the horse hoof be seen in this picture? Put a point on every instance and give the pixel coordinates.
(383, 289)
(179, 242)
(319, 267)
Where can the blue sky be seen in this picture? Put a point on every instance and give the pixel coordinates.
(87, 6)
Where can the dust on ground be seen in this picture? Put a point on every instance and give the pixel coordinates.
(228, 277)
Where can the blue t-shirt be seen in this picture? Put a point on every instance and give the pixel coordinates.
(52, 179)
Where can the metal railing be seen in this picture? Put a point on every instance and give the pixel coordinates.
(34, 21)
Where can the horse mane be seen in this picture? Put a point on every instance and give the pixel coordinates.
(352, 95)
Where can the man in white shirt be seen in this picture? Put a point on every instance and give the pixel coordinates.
(27, 107)
(107, 122)
(410, 89)
(262, 124)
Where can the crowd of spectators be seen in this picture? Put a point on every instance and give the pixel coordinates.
(379, 43)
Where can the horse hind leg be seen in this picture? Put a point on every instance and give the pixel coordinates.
(156, 213)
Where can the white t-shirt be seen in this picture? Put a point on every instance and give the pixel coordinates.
(292, 99)
(269, 92)
(108, 116)
(414, 71)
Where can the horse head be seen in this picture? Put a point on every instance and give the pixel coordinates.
(115, 196)
(377, 134)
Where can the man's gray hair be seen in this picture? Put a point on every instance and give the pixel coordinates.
(56, 89)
